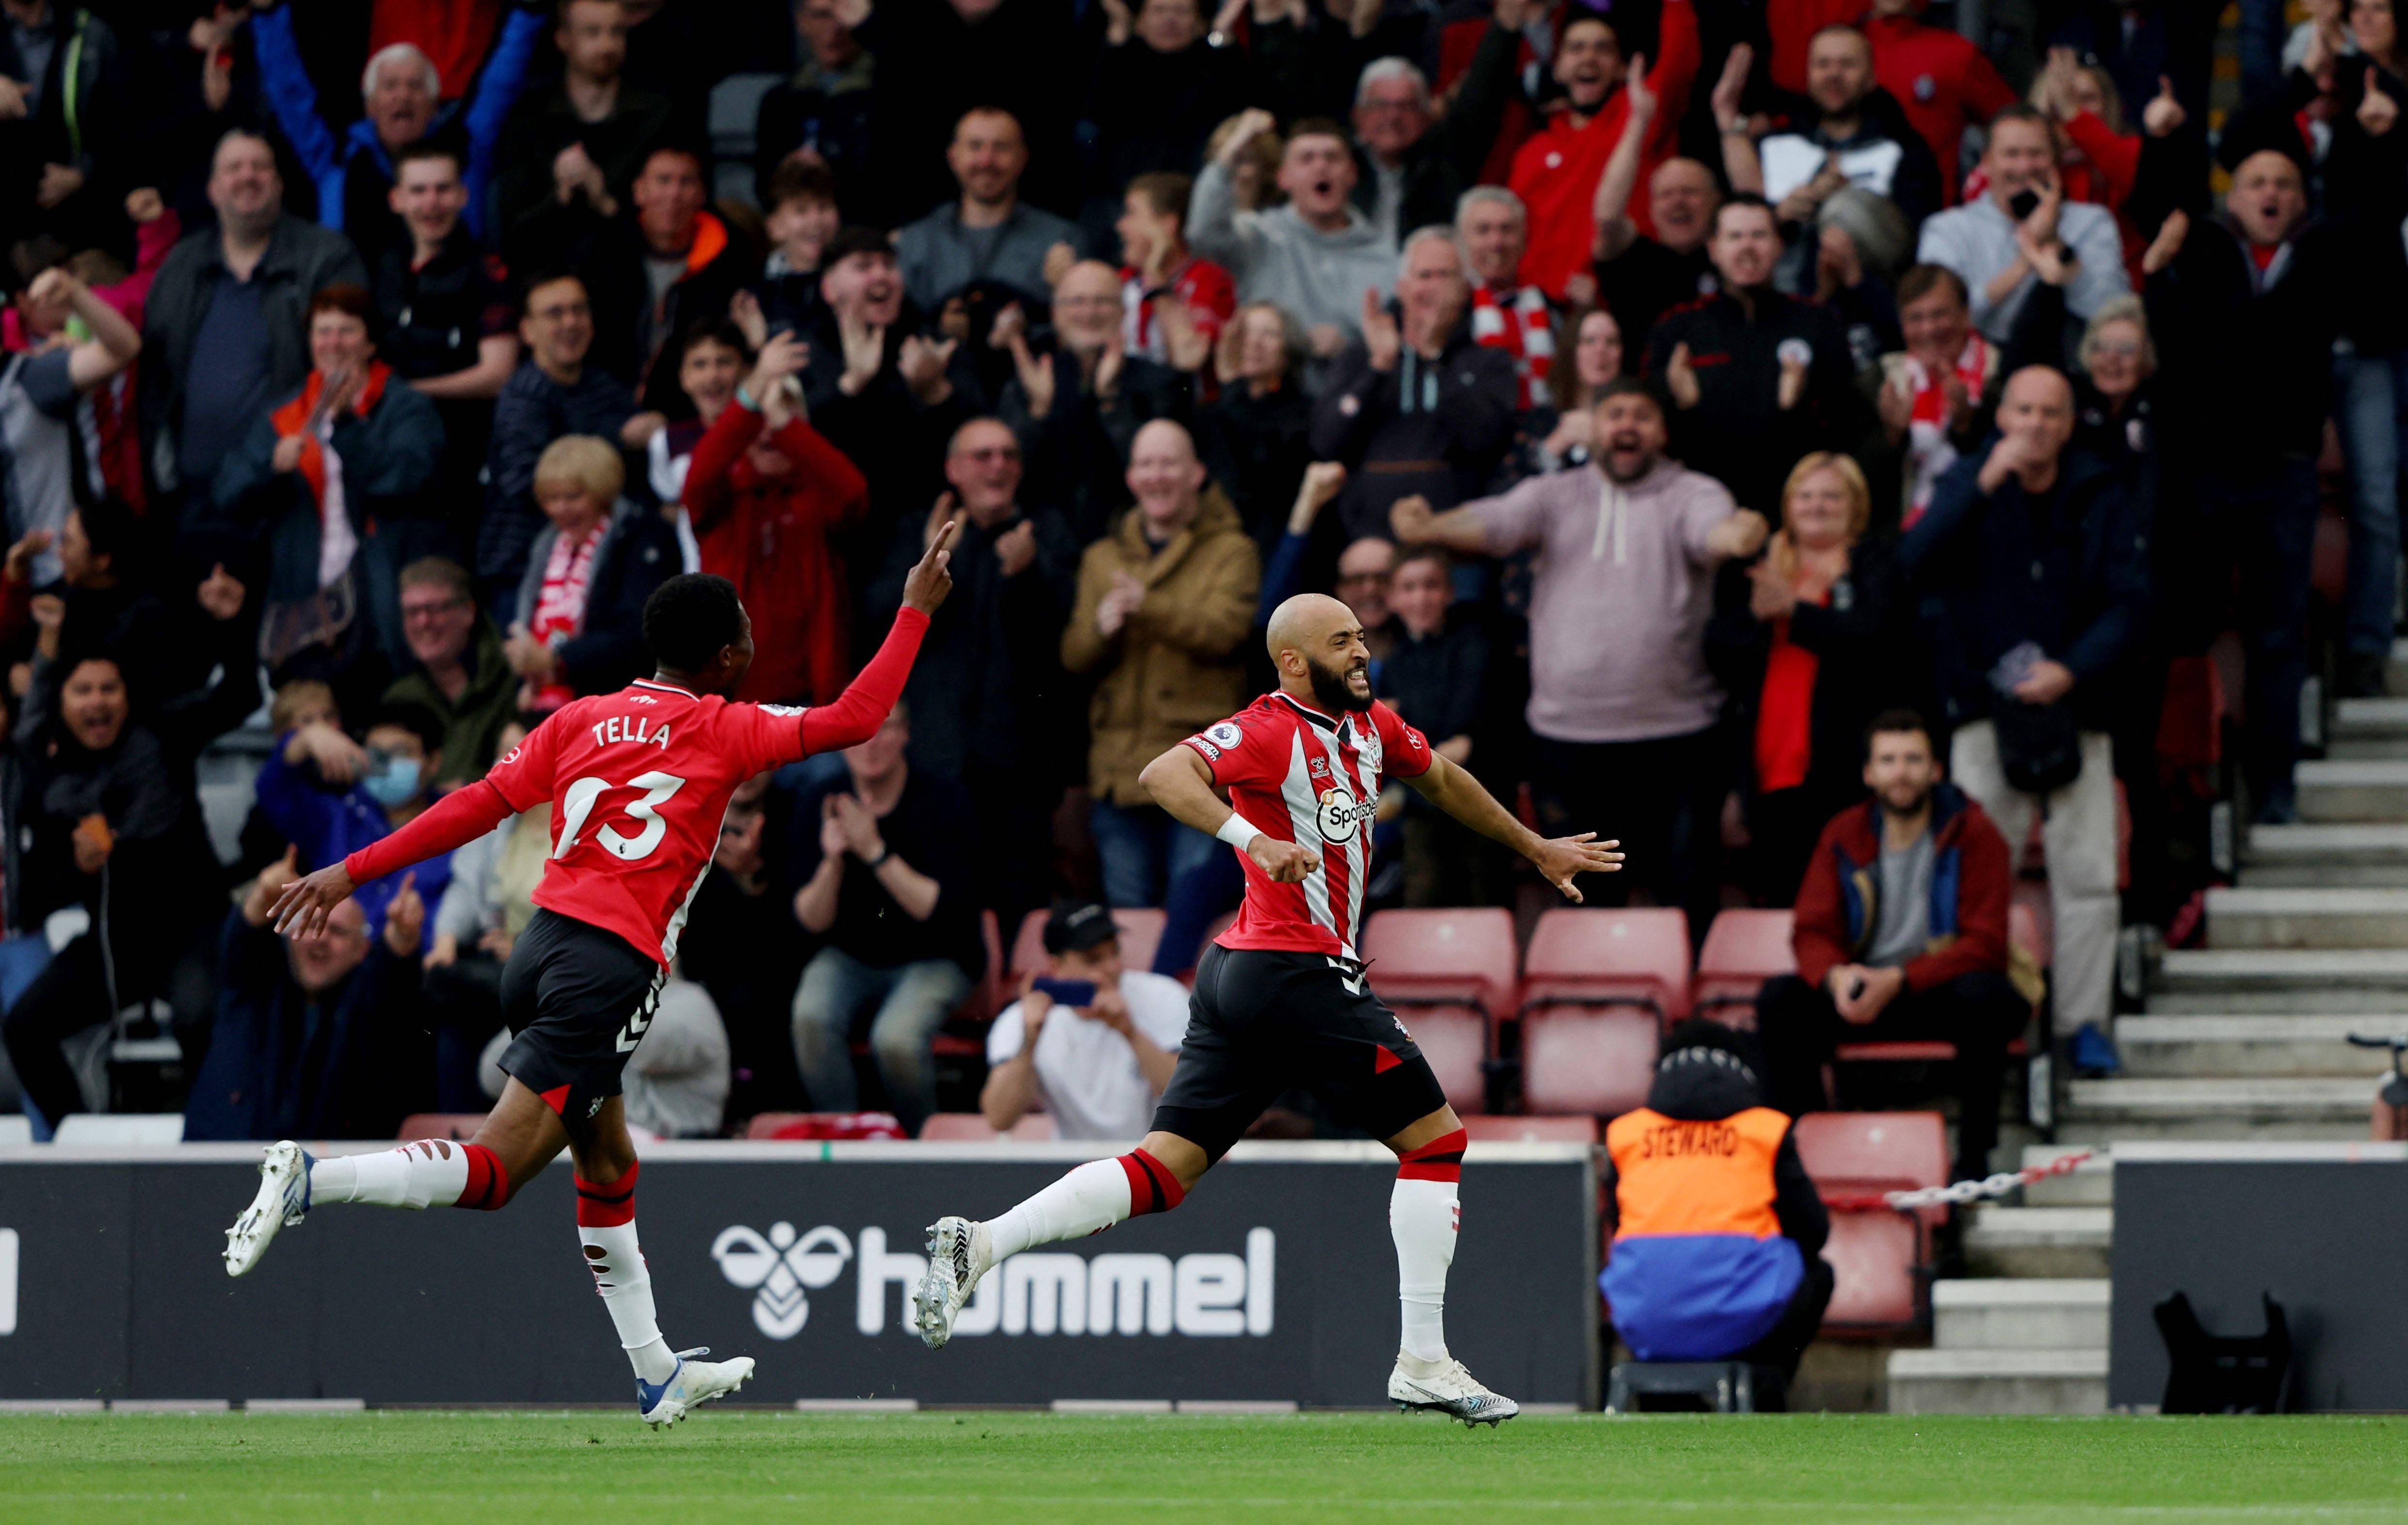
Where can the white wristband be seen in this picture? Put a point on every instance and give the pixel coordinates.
(1237, 831)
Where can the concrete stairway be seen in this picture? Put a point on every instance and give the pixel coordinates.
(2243, 1040)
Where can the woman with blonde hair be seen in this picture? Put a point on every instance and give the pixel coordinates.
(580, 621)
(1805, 641)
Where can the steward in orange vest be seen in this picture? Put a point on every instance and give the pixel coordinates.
(1718, 1231)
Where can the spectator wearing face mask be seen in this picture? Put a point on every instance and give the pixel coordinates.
(330, 796)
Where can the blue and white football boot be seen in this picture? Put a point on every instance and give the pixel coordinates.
(694, 1384)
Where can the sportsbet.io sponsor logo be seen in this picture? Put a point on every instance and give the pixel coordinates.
(1202, 1295)
(1341, 813)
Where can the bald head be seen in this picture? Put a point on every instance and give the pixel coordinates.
(1316, 643)
(1165, 476)
(2035, 421)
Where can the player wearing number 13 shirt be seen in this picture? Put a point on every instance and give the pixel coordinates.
(1281, 999)
(639, 782)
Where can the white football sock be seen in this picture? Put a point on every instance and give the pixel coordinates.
(627, 1287)
(431, 1172)
(1421, 1220)
(1091, 1198)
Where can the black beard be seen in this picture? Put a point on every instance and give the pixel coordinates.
(1331, 692)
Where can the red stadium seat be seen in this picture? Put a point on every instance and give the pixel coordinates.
(971, 1128)
(1453, 1037)
(1576, 1060)
(453, 1125)
(991, 995)
(1744, 950)
(1864, 1154)
(1875, 1287)
(1610, 958)
(824, 1126)
(1140, 931)
(1464, 955)
(1490, 1130)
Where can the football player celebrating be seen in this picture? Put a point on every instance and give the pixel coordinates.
(1279, 998)
(639, 782)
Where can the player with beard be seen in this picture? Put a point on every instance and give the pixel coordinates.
(1280, 1000)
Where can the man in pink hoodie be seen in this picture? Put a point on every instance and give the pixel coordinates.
(1622, 708)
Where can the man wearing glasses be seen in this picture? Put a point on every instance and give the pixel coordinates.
(457, 672)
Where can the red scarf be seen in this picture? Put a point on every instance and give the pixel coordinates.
(299, 417)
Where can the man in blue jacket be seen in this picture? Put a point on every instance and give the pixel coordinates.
(402, 91)
(2033, 565)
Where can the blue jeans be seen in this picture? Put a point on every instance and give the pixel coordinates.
(912, 1001)
(2372, 391)
(1149, 858)
(22, 959)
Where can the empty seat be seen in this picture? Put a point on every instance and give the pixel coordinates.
(824, 1126)
(1494, 1130)
(1744, 950)
(1140, 931)
(1584, 957)
(1587, 1060)
(120, 1127)
(1453, 1037)
(455, 1125)
(971, 1128)
(1874, 1258)
(1863, 1154)
(1464, 955)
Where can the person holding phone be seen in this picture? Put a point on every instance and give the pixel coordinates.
(2000, 244)
(1092, 1042)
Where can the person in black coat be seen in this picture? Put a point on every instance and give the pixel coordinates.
(1805, 639)
(635, 323)
(580, 624)
(1437, 677)
(1252, 435)
(1158, 90)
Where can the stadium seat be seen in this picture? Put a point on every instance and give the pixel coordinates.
(1453, 1037)
(971, 1128)
(1464, 955)
(1492, 1130)
(122, 1128)
(824, 1126)
(1583, 957)
(1860, 1155)
(1596, 1061)
(1874, 1285)
(1140, 930)
(454, 1125)
(1744, 950)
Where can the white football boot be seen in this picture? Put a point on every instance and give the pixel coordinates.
(1443, 1387)
(694, 1384)
(959, 1253)
(283, 1200)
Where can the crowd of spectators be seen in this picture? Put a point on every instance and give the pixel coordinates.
(1670, 387)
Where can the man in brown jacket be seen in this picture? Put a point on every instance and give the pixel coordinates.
(1164, 601)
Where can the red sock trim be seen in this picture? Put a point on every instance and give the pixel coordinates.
(1151, 1186)
(1439, 1159)
(488, 1184)
(609, 1207)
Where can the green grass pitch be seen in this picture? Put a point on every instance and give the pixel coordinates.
(987, 1468)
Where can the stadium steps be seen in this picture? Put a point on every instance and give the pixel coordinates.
(2247, 1046)
(2369, 729)
(2349, 788)
(2359, 854)
(2307, 918)
(1939, 1381)
(2090, 1184)
(2042, 1242)
(2035, 1313)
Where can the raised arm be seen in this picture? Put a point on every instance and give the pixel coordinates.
(864, 706)
(1559, 860)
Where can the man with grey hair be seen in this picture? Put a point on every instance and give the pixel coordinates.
(1412, 162)
(1494, 229)
(402, 91)
(1415, 406)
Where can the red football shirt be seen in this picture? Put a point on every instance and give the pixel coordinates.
(639, 782)
(1299, 776)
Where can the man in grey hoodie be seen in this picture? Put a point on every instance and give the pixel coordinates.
(1313, 258)
(1622, 707)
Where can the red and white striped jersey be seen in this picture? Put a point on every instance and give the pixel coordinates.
(1297, 775)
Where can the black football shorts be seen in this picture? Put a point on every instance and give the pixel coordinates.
(576, 1000)
(1262, 1022)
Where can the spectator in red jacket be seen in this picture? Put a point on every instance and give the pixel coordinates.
(1901, 935)
(763, 494)
(1555, 173)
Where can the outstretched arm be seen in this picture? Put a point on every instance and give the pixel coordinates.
(1559, 858)
(454, 821)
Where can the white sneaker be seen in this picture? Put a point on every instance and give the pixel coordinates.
(1443, 1387)
(959, 1253)
(283, 1200)
(694, 1384)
